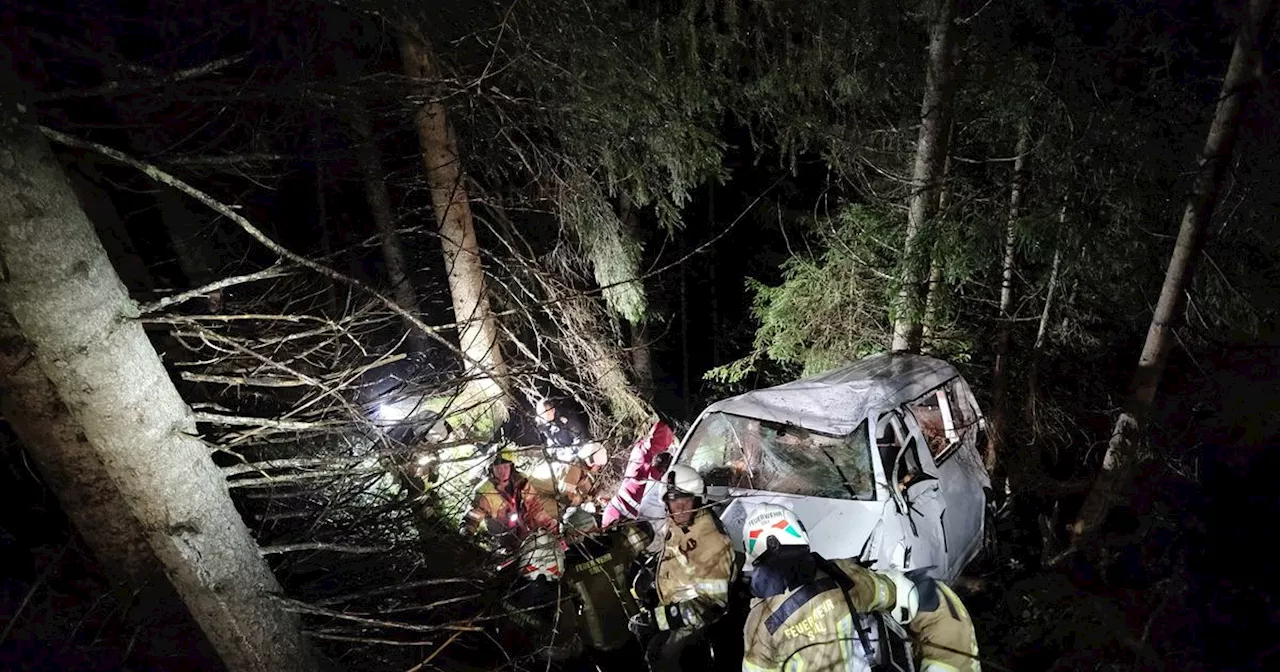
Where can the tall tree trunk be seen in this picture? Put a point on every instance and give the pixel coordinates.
(1243, 75)
(333, 306)
(926, 178)
(1000, 374)
(1042, 332)
(641, 357)
(90, 398)
(186, 238)
(477, 328)
(933, 294)
(111, 229)
(684, 332)
(369, 158)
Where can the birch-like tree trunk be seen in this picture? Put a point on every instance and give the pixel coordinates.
(1243, 75)
(477, 327)
(90, 400)
(1000, 373)
(927, 175)
(933, 293)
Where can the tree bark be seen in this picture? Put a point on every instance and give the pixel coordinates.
(111, 229)
(1042, 333)
(926, 179)
(1243, 75)
(641, 355)
(91, 399)
(477, 330)
(375, 191)
(1000, 372)
(929, 330)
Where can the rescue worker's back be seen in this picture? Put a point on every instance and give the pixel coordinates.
(810, 629)
(812, 615)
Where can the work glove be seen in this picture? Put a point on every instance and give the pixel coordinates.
(671, 616)
(644, 589)
(641, 624)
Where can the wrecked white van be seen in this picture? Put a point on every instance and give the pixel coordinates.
(881, 459)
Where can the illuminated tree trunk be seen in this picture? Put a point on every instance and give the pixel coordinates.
(477, 328)
(926, 179)
(933, 295)
(1243, 75)
(1000, 374)
(89, 398)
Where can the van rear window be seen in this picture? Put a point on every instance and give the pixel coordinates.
(740, 452)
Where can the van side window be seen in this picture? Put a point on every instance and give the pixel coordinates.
(946, 418)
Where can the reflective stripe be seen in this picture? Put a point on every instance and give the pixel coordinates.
(712, 588)
(748, 666)
(693, 591)
(955, 601)
(627, 499)
(796, 601)
(882, 594)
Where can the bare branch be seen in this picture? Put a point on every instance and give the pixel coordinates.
(241, 380)
(119, 87)
(273, 272)
(242, 421)
(321, 546)
(217, 206)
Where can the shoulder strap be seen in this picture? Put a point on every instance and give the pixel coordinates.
(846, 584)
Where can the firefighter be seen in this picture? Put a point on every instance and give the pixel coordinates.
(693, 575)
(568, 471)
(508, 507)
(597, 576)
(813, 614)
(647, 463)
(542, 614)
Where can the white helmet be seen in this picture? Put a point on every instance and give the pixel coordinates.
(770, 526)
(541, 556)
(685, 479)
(593, 453)
(906, 594)
(580, 519)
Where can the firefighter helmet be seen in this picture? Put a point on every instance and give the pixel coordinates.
(638, 536)
(907, 596)
(683, 479)
(541, 556)
(770, 526)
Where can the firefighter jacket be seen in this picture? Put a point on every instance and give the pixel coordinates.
(696, 568)
(597, 577)
(518, 508)
(810, 628)
(945, 640)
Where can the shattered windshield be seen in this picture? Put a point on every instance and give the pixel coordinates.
(740, 452)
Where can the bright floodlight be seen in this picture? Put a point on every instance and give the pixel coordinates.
(393, 411)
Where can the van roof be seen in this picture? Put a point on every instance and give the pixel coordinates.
(837, 401)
